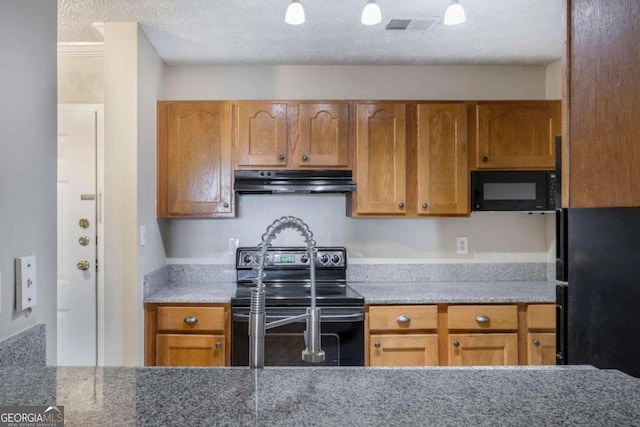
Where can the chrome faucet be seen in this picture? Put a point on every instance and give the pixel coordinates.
(257, 317)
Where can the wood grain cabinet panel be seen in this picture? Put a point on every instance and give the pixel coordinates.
(194, 159)
(191, 318)
(491, 349)
(514, 135)
(442, 169)
(541, 348)
(403, 350)
(323, 135)
(483, 317)
(403, 317)
(190, 350)
(381, 159)
(261, 129)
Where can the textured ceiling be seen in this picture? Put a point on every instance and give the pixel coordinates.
(254, 32)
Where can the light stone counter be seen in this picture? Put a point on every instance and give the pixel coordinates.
(517, 396)
(193, 292)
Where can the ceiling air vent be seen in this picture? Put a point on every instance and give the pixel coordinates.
(414, 24)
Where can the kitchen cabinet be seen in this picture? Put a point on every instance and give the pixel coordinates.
(194, 159)
(187, 335)
(483, 335)
(541, 337)
(292, 135)
(515, 134)
(411, 160)
(442, 160)
(403, 336)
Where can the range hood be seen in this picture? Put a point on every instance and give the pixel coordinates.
(293, 181)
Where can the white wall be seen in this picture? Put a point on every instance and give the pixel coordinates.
(151, 254)
(28, 115)
(80, 75)
(554, 80)
(493, 236)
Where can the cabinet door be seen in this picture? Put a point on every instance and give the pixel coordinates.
(518, 135)
(261, 134)
(483, 349)
(403, 350)
(443, 172)
(194, 159)
(189, 350)
(322, 135)
(541, 348)
(381, 159)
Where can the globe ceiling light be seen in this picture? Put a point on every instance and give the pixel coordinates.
(295, 13)
(454, 14)
(371, 14)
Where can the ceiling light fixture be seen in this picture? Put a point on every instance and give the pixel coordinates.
(371, 14)
(295, 13)
(454, 14)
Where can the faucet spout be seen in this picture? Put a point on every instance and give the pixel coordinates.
(257, 317)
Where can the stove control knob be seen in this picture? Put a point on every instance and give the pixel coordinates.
(247, 259)
(324, 258)
(304, 259)
(335, 258)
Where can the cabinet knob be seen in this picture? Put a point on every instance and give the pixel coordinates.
(425, 206)
(482, 319)
(403, 318)
(485, 158)
(305, 158)
(191, 320)
(218, 345)
(536, 343)
(225, 204)
(377, 345)
(281, 157)
(456, 344)
(401, 205)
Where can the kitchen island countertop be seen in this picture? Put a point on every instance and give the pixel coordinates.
(514, 396)
(383, 292)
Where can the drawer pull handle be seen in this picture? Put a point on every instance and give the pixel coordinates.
(191, 320)
(377, 345)
(218, 345)
(482, 319)
(403, 318)
(536, 343)
(456, 344)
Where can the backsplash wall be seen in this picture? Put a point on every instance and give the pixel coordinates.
(494, 237)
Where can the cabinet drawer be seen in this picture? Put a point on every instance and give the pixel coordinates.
(483, 317)
(191, 318)
(541, 316)
(403, 317)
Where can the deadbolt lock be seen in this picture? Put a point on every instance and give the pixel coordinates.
(84, 223)
(83, 265)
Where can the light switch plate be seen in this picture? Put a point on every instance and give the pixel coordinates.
(25, 282)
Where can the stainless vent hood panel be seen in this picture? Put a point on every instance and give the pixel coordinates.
(293, 181)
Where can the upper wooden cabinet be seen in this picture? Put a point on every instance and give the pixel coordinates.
(194, 159)
(261, 134)
(442, 169)
(515, 135)
(292, 135)
(381, 159)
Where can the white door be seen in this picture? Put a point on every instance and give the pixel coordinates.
(77, 303)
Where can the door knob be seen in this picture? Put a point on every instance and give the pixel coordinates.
(83, 223)
(83, 240)
(83, 265)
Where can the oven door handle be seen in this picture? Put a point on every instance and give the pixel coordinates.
(355, 317)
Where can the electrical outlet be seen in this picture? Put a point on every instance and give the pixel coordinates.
(462, 245)
(25, 282)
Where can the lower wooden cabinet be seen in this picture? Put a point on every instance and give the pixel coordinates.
(461, 335)
(187, 335)
(403, 350)
(483, 349)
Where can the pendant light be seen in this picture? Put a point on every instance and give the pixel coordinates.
(295, 13)
(454, 14)
(371, 14)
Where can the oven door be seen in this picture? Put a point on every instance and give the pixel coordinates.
(342, 337)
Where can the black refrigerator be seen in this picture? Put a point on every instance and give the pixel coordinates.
(598, 292)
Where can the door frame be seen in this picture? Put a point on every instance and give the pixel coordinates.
(98, 110)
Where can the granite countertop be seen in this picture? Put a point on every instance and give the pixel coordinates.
(456, 292)
(514, 396)
(382, 292)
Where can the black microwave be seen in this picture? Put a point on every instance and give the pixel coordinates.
(513, 191)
